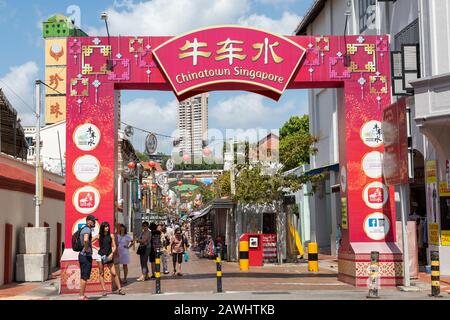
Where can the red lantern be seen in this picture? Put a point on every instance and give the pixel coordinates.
(131, 165)
(180, 183)
(152, 164)
(186, 157)
(206, 152)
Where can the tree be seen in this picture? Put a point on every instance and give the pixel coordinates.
(296, 143)
(142, 156)
(295, 124)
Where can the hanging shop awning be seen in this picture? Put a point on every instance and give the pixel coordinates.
(214, 204)
(203, 212)
(332, 167)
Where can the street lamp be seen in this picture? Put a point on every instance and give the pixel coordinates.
(109, 63)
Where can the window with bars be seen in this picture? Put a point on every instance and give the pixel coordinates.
(366, 11)
(405, 59)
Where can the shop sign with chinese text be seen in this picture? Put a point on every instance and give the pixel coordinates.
(229, 54)
(395, 160)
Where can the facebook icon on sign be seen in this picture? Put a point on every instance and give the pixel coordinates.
(373, 222)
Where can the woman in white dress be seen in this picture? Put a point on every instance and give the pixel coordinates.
(124, 242)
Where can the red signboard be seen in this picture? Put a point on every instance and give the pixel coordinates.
(219, 55)
(395, 162)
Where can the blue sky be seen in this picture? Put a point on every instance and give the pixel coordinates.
(22, 54)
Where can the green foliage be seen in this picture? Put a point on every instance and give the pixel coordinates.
(252, 187)
(203, 166)
(295, 209)
(295, 124)
(296, 143)
(142, 156)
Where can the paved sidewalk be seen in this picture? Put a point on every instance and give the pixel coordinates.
(273, 281)
(199, 275)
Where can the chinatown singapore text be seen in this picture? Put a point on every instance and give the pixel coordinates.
(230, 50)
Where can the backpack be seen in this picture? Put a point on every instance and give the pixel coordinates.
(77, 245)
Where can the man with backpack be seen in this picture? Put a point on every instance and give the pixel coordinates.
(82, 242)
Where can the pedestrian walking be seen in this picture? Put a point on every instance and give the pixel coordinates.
(144, 250)
(165, 248)
(124, 242)
(178, 247)
(155, 244)
(106, 252)
(85, 255)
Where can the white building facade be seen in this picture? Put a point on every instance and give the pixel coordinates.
(399, 19)
(53, 146)
(432, 116)
(193, 125)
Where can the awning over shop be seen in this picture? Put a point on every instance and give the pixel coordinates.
(203, 212)
(215, 204)
(333, 167)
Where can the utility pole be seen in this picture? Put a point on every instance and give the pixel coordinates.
(232, 182)
(38, 165)
(404, 201)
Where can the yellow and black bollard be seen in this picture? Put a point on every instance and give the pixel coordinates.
(313, 257)
(158, 271)
(219, 269)
(374, 274)
(435, 275)
(243, 255)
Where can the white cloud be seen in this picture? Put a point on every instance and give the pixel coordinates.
(20, 82)
(169, 17)
(139, 112)
(249, 110)
(284, 26)
(146, 113)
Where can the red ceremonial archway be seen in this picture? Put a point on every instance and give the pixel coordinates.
(237, 58)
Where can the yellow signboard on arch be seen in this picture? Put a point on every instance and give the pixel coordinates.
(55, 109)
(56, 52)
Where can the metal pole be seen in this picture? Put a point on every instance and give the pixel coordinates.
(129, 205)
(219, 268)
(435, 275)
(405, 209)
(158, 271)
(38, 151)
(151, 190)
(232, 182)
(374, 275)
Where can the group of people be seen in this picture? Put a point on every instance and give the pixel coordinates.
(114, 251)
(165, 239)
(110, 249)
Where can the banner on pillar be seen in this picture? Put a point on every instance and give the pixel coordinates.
(445, 237)
(430, 171)
(433, 231)
(55, 78)
(395, 163)
(55, 52)
(55, 109)
(344, 217)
